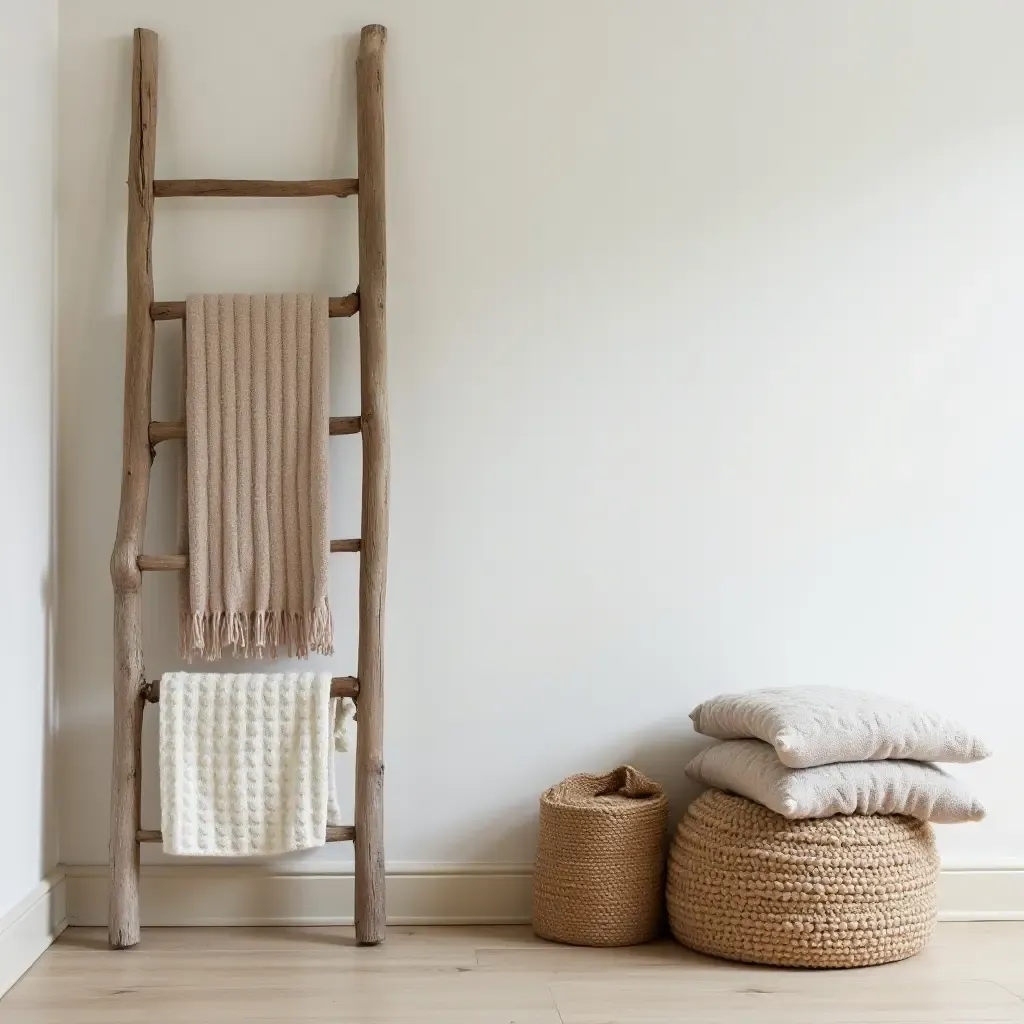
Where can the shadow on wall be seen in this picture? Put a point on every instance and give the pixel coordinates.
(49, 841)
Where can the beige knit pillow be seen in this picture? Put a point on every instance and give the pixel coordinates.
(752, 769)
(811, 725)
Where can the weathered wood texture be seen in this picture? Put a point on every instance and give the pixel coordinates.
(168, 188)
(369, 798)
(160, 431)
(124, 570)
(335, 834)
(341, 686)
(162, 563)
(141, 434)
(337, 305)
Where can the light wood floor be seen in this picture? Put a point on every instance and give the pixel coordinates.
(971, 973)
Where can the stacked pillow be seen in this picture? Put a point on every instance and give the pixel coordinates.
(815, 751)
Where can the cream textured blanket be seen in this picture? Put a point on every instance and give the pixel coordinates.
(247, 762)
(255, 486)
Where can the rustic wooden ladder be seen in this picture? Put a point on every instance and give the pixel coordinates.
(142, 435)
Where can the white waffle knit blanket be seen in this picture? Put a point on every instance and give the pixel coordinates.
(247, 761)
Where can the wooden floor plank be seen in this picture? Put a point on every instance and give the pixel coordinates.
(971, 974)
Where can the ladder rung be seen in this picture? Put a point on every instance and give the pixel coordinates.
(337, 305)
(176, 563)
(341, 686)
(162, 563)
(169, 431)
(337, 546)
(174, 187)
(335, 834)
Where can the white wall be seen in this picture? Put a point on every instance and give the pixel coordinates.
(706, 364)
(28, 47)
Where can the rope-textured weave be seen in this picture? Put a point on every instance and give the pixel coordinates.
(745, 883)
(600, 860)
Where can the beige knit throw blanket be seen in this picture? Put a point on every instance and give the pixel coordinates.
(254, 490)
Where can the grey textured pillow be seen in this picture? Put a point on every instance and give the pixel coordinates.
(812, 725)
(751, 768)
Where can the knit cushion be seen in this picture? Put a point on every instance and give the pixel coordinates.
(746, 884)
(811, 725)
(752, 769)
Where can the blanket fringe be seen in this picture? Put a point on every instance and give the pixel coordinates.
(208, 636)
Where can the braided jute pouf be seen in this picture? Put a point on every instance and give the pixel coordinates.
(745, 883)
(600, 865)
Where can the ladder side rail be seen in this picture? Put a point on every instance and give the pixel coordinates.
(369, 796)
(129, 675)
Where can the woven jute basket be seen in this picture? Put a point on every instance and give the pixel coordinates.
(600, 860)
(745, 883)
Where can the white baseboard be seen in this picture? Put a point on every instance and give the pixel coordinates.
(27, 931)
(180, 895)
(189, 895)
(981, 894)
